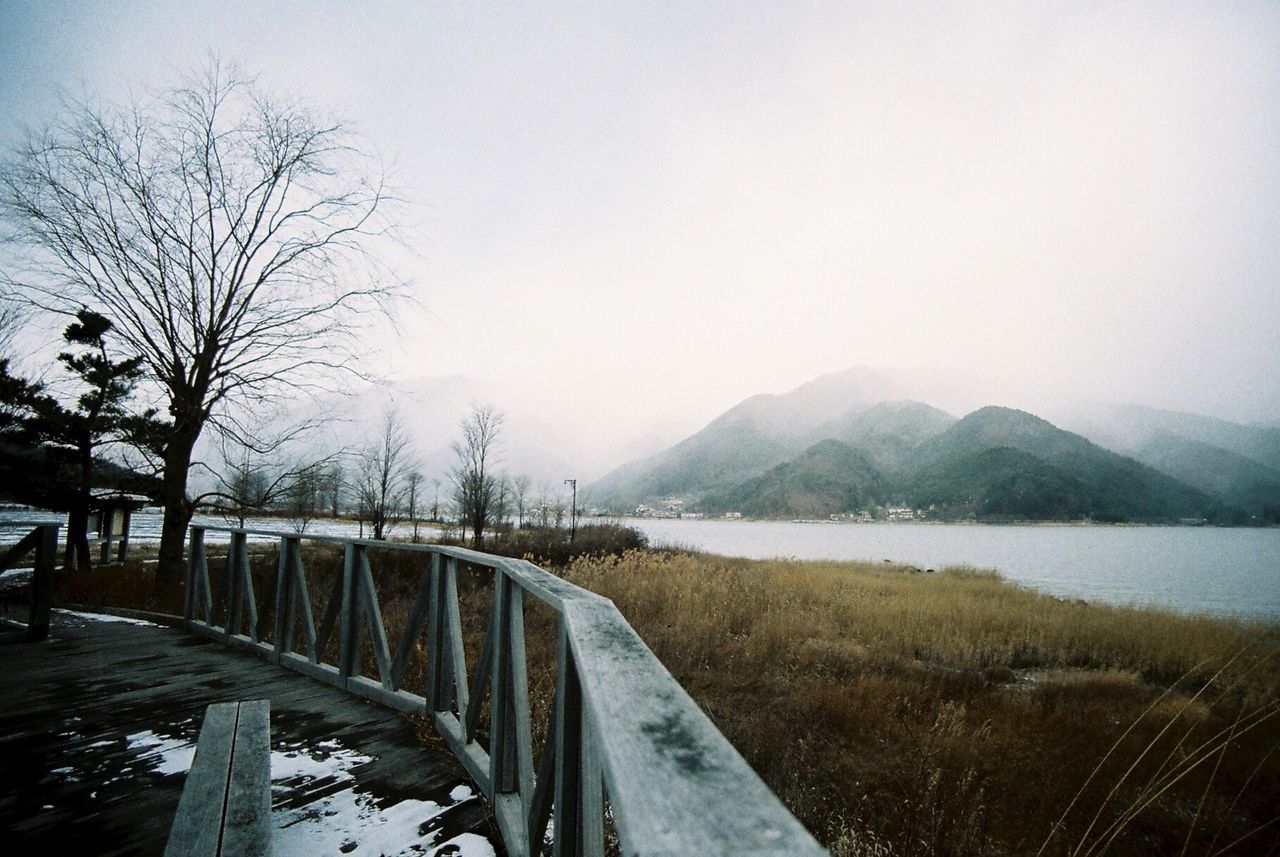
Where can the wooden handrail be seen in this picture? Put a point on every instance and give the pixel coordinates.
(620, 724)
(43, 539)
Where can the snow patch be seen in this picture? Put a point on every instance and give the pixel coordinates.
(351, 821)
(104, 617)
(466, 845)
(166, 755)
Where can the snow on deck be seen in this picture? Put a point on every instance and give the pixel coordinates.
(98, 728)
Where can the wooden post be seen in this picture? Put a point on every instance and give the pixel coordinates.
(42, 583)
(501, 751)
(348, 644)
(568, 745)
(124, 536)
(284, 603)
(453, 637)
(197, 578)
(107, 532)
(435, 656)
(235, 594)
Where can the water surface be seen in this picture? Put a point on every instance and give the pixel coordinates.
(1191, 569)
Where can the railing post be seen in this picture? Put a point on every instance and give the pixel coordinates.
(518, 672)
(284, 602)
(436, 664)
(348, 642)
(568, 740)
(576, 771)
(452, 634)
(501, 743)
(510, 750)
(42, 583)
(237, 571)
(195, 565)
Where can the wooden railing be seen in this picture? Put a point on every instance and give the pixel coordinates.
(624, 744)
(43, 539)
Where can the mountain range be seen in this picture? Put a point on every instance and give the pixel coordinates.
(845, 443)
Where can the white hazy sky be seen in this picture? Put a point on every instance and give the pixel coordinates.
(647, 212)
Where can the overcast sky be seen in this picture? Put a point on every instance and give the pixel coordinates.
(648, 212)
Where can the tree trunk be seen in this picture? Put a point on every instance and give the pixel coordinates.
(78, 556)
(177, 508)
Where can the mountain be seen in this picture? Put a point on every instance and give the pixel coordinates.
(995, 463)
(1235, 463)
(850, 441)
(826, 478)
(1085, 478)
(743, 442)
(1000, 482)
(1232, 478)
(1128, 428)
(728, 449)
(887, 432)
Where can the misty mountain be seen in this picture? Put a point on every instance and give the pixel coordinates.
(828, 477)
(1000, 482)
(1056, 467)
(744, 441)
(828, 447)
(1237, 464)
(1128, 428)
(1234, 479)
(730, 448)
(888, 432)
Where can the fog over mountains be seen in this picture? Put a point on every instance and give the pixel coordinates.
(857, 440)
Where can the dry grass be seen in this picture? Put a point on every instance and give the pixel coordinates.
(900, 713)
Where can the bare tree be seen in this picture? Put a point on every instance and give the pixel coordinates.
(385, 467)
(544, 503)
(414, 480)
(475, 486)
(246, 484)
(247, 481)
(228, 237)
(332, 483)
(502, 508)
(305, 496)
(11, 318)
(520, 485)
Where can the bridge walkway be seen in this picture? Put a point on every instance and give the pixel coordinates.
(98, 727)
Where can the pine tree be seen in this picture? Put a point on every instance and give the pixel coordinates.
(99, 417)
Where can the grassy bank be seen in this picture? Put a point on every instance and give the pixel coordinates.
(912, 714)
(902, 713)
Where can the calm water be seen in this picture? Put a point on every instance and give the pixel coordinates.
(1191, 569)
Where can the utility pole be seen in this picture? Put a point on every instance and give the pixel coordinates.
(573, 510)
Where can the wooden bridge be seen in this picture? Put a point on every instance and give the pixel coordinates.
(606, 752)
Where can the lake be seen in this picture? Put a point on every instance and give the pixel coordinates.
(1227, 572)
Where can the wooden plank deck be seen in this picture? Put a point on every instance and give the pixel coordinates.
(98, 726)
